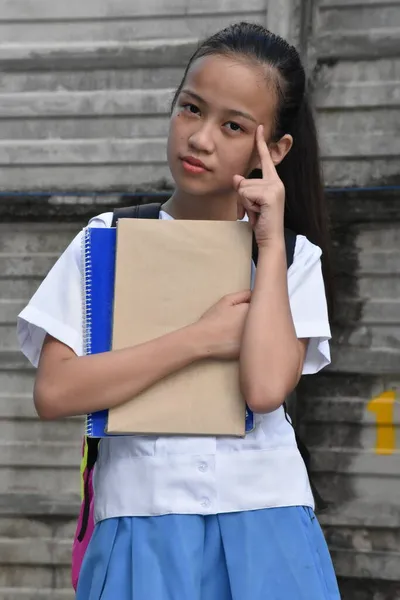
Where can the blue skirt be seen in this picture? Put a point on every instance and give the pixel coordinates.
(271, 554)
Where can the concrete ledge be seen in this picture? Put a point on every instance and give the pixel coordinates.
(35, 551)
(35, 594)
(350, 45)
(37, 505)
(84, 153)
(94, 103)
(378, 565)
(365, 589)
(352, 359)
(40, 454)
(106, 55)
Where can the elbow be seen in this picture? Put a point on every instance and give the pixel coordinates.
(45, 403)
(265, 387)
(266, 394)
(265, 404)
(265, 399)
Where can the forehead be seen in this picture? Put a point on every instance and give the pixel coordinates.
(233, 83)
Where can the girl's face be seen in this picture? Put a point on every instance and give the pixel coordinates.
(214, 122)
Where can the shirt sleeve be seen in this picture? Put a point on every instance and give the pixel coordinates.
(57, 306)
(308, 304)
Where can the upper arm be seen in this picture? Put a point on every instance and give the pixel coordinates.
(53, 352)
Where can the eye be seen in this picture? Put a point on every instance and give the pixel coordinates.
(234, 127)
(191, 108)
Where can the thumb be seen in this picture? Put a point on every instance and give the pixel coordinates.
(239, 297)
(237, 180)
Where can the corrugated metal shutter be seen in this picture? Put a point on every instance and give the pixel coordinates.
(357, 52)
(85, 87)
(351, 413)
(39, 462)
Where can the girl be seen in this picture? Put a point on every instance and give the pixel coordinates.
(210, 518)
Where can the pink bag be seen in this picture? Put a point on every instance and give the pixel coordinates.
(85, 524)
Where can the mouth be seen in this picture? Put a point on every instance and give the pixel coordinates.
(193, 165)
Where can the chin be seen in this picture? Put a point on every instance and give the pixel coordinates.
(190, 185)
(194, 188)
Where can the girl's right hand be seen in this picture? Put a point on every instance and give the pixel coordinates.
(222, 325)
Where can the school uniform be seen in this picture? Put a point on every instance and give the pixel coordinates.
(198, 518)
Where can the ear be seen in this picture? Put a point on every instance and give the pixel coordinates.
(280, 149)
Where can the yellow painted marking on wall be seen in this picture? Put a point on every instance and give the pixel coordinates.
(383, 407)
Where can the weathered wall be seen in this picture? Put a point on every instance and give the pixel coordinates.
(355, 53)
(39, 462)
(85, 87)
(351, 412)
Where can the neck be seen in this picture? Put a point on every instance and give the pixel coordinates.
(205, 208)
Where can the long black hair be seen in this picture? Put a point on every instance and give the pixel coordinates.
(300, 171)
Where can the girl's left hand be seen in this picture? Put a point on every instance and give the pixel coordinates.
(262, 199)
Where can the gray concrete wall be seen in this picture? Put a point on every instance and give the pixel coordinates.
(39, 462)
(85, 87)
(355, 57)
(350, 414)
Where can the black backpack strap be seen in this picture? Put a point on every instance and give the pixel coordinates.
(320, 503)
(290, 244)
(92, 452)
(139, 211)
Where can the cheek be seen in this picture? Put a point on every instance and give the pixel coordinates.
(173, 131)
(176, 128)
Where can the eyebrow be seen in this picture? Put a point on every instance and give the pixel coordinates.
(237, 113)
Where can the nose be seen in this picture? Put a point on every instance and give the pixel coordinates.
(202, 140)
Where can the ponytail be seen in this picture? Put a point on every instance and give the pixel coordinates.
(306, 210)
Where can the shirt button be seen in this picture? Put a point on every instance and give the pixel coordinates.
(205, 503)
(203, 467)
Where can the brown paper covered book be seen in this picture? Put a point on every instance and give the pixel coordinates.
(168, 273)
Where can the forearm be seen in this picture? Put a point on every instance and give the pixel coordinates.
(270, 354)
(80, 385)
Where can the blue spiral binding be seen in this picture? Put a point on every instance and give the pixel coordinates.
(87, 309)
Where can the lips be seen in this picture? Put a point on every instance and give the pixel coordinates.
(193, 164)
(194, 161)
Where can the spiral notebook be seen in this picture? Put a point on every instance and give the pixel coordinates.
(100, 251)
(99, 275)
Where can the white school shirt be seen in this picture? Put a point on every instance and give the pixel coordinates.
(150, 475)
